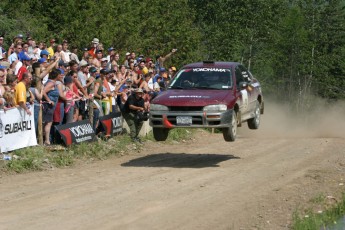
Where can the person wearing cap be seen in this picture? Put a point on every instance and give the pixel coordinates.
(51, 48)
(111, 51)
(171, 71)
(134, 104)
(94, 47)
(85, 55)
(21, 94)
(104, 63)
(24, 68)
(44, 54)
(2, 50)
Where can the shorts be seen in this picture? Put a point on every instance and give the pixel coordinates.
(47, 112)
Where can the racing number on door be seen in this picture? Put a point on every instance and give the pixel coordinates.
(244, 99)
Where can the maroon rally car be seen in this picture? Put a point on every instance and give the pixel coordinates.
(208, 94)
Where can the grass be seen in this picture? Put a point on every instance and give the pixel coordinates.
(324, 220)
(39, 158)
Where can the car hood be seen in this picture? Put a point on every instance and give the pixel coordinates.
(193, 97)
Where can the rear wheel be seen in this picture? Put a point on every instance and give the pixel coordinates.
(230, 133)
(160, 134)
(253, 123)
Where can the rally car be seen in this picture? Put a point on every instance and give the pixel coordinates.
(208, 94)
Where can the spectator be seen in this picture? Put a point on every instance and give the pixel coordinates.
(74, 55)
(85, 55)
(94, 47)
(2, 88)
(51, 96)
(2, 50)
(134, 104)
(26, 62)
(111, 52)
(51, 48)
(59, 53)
(59, 113)
(99, 94)
(65, 52)
(70, 96)
(14, 56)
(37, 98)
(160, 59)
(21, 94)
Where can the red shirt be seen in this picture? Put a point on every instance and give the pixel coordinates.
(22, 70)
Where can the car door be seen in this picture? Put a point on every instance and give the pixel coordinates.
(248, 79)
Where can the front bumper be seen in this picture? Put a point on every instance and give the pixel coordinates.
(200, 119)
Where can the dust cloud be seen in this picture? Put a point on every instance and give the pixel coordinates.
(322, 120)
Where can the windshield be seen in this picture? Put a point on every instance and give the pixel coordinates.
(202, 78)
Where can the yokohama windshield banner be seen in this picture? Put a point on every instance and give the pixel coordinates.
(76, 132)
(112, 123)
(17, 129)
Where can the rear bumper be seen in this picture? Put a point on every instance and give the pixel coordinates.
(200, 119)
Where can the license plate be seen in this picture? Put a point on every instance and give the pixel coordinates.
(183, 120)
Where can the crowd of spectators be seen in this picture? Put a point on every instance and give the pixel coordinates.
(68, 86)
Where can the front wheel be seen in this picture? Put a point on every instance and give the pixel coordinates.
(253, 123)
(230, 133)
(160, 134)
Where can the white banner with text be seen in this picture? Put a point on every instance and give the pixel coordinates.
(17, 129)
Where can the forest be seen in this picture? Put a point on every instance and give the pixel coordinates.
(295, 48)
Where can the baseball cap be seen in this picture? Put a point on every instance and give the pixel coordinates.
(95, 40)
(104, 59)
(61, 71)
(26, 58)
(52, 40)
(93, 69)
(128, 80)
(128, 53)
(42, 60)
(173, 68)
(162, 70)
(44, 52)
(83, 63)
(20, 36)
(62, 63)
(68, 79)
(104, 71)
(111, 48)
(98, 51)
(139, 90)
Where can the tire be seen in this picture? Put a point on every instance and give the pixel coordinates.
(254, 123)
(230, 133)
(160, 134)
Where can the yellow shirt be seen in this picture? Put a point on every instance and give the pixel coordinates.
(20, 94)
(51, 52)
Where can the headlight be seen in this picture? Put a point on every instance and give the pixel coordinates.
(156, 107)
(215, 108)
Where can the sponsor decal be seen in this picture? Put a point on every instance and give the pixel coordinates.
(76, 132)
(209, 70)
(17, 129)
(112, 124)
(188, 96)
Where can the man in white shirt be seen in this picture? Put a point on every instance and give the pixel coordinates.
(65, 51)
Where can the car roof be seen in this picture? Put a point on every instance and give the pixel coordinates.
(211, 64)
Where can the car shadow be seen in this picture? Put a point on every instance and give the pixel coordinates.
(179, 160)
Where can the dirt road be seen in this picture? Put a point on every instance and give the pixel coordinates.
(254, 183)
